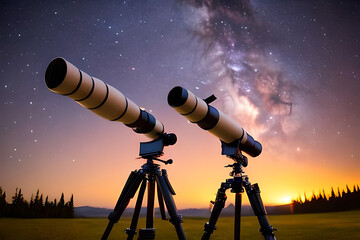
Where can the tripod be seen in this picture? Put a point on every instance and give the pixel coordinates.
(150, 175)
(237, 185)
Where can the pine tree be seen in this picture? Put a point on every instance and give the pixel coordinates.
(54, 212)
(36, 198)
(339, 194)
(313, 196)
(320, 196)
(61, 201)
(32, 204)
(14, 198)
(37, 205)
(343, 193)
(32, 201)
(61, 207)
(324, 194)
(41, 200)
(19, 206)
(347, 189)
(41, 207)
(71, 203)
(70, 207)
(47, 207)
(332, 194)
(3, 204)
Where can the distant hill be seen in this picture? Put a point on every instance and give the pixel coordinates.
(87, 211)
(279, 210)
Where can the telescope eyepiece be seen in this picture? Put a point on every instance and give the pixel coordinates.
(169, 139)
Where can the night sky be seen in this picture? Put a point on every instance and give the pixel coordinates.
(287, 71)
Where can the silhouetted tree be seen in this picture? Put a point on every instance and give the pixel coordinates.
(47, 207)
(69, 206)
(339, 194)
(18, 206)
(346, 200)
(36, 208)
(54, 210)
(332, 196)
(347, 189)
(61, 201)
(61, 206)
(3, 204)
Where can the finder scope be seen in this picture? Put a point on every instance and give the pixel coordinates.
(64, 78)
(207, 117)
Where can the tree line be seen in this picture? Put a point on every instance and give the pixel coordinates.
(340, 201)
(37, 207)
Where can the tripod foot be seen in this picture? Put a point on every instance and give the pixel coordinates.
(146, 233)
(130, 233)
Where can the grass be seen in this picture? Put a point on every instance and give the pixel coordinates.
(340, 225)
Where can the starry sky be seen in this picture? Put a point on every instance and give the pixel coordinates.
(287, 71)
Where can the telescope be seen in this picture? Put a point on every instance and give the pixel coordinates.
(234, 139)
(64, 78)
(207, 117)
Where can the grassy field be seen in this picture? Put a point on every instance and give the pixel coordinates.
(341, 225)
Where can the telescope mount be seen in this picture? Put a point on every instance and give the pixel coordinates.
(150, 175)
(237, 184)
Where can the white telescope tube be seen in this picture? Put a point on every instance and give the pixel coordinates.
(64, 78)
(209, 118)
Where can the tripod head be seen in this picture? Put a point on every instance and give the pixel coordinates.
(154, 149)
(232, 150)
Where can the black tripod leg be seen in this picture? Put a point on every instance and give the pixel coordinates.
(127, 193)
(175, 219)
(253, 193)
(161, 203)
(237, 220)
(150, 203)
(149, 231)
(132, 230)
(215, 213)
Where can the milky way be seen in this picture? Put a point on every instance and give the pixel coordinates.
(238, 44)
